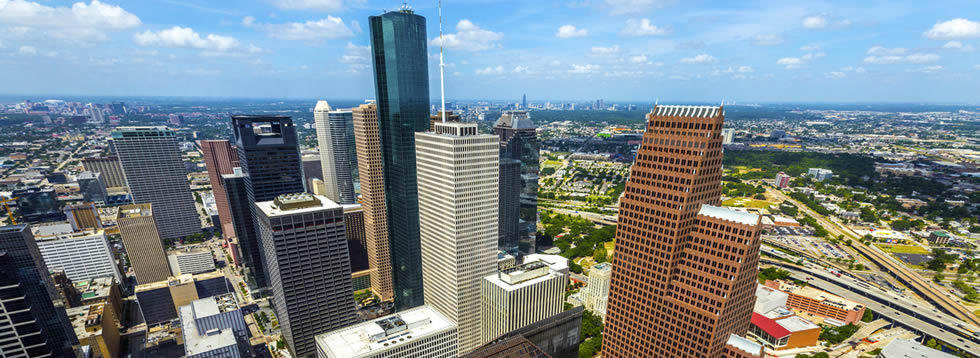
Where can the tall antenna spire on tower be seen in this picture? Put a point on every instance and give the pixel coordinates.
(442, 65)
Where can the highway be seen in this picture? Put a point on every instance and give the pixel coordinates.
(922, 320)
(909, 278)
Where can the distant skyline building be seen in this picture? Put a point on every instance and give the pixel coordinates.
(524, 101)
(519, 142)
(782, 180)
(401, 75)
(373, 200)
(141, 239)
(156, 175)
(684, 274)
(309, 271)
(92, 186)
(728, 136)
(338, 156)
(519, 296)
(109, 167)
(28, 294)
(220, 158)
(268, 154)
(458, 209)
(421, 332)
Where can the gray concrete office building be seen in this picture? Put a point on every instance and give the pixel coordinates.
(156, 175)
(308, 265)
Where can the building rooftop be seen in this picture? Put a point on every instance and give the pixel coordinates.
(744, 344)
(196, 342)
(94, 288)
(291, 204)
(135, 210)
(557, 262)
(904, 348)
(86, 320)
(686, 111)
(529, 273)
(53, 229)
(727, 214)
(384, 333)
(818, 295)
(322, 106)
(796, 324)
(767, 298)
(207, 307)
(515, 120)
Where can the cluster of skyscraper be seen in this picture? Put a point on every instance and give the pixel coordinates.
(437, 202)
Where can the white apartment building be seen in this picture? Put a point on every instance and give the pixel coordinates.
(597, 292)
(519, 296)
(457, 185)
(421, 332)
(82, 255)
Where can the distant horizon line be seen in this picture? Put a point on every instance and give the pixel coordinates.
(509, 101)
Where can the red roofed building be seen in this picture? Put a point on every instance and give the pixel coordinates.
(784, 332)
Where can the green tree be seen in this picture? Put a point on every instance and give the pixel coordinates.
(868, 315)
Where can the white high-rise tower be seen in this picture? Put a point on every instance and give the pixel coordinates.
(457, 185)
(321, 119)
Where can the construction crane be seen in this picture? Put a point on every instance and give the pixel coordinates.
(10, 214)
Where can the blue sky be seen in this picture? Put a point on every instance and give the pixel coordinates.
(628, 50)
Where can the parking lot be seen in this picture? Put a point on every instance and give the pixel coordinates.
(802, 239)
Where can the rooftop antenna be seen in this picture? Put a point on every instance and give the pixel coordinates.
(442, 65)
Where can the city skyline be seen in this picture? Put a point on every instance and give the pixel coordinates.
(826, 51)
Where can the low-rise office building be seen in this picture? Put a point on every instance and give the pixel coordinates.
(214, 327)
(832, 309)
(191, 261)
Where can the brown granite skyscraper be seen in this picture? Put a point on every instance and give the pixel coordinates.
(220, 158)
(368, 142)
(684, 271)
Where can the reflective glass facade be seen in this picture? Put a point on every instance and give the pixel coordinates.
(398, 42)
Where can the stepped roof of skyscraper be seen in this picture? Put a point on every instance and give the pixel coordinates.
(322, 106)
(686, 111)
(384, 333)
(515, 120)
(727, 214)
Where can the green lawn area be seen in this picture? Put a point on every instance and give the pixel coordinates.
(746, 202)
(977, 313)
(903, 249)
(552, 163)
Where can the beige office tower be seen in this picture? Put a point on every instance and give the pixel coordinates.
(373, 199)
(519, 296)
(141, 239)
(457, 184)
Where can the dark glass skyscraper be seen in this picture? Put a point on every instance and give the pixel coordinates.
(401, 75)
(268, 153)
(23, 263)
(519, 141)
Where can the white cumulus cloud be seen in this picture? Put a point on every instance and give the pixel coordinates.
(491, 70)
(587, 68)
(605, 51)
(790, 62)
(954, 29)
(884, 55)
(815, 22)
(702, 58)
(81, 22)
(469, 37)
(643, 27)
(331, 27)
(569, 31)
(638, 59)
(186, 37)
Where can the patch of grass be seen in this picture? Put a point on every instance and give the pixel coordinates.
(746, 202)
(976, 313)
(903, 249)
(552, 163)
